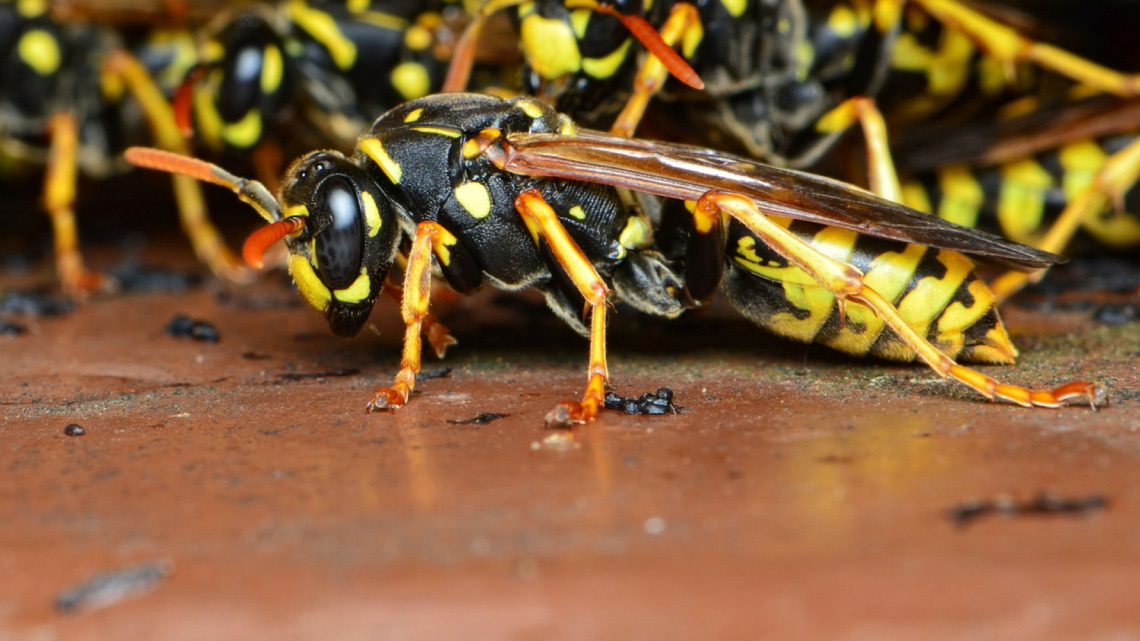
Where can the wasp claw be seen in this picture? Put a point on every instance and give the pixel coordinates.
(385, 399)
(565, 416)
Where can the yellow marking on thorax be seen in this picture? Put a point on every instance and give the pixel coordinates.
(39, 50)
(531, 107)
(411, 80)
(1021, 201)
(438, 131)
(962, 196)
(551, 46)
(414, 114)
(308, 283)
(358, 291)
(374, 149)
(475, 199)
(577, 212)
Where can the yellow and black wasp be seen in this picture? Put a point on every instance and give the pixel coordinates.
(783, 80)
(512, 193)
(72, 97)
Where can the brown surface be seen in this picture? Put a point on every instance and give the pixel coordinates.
(797, 496)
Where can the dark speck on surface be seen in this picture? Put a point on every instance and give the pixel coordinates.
(182, 326)
(74, 429)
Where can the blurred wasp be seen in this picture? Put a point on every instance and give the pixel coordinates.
(783, 80)
(509, 192)
(71, 98)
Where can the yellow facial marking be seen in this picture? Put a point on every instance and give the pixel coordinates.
(39, 50)
(357, 292)
(272, 70)
(296, 210)
(411, 80)
(374, 149)
(474, 198)
(371, 214)
(308, 283)
(414, 114)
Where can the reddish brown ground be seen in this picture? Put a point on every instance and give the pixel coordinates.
(798, 495)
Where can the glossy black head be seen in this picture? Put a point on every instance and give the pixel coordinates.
(341, 257)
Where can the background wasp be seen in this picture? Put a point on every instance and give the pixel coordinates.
(783, 80)
(509, 192)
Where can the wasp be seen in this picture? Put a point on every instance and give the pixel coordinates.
(782, 81)
(513, 194)
(72, 96)
(317, 70)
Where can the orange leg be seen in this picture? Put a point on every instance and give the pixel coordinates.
(439, 337)
(846, 284)
(122, 67)
(59, 200)
(414, 305)
(543, 223)
(683, 20)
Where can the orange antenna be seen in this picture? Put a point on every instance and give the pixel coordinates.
(183, 101)
(254, 248)
(649, 37)
(250, 191)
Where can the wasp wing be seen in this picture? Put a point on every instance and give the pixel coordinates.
(686, 172)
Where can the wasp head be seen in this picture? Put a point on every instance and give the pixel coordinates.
(342, 235)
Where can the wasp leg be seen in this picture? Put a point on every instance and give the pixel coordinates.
(846, 284)
(884, 180)
(59, 200)
(1009, 47)
(439, 337)
(543, 222)
(1118, 174)
(124, 68)
(683, 25)
(414, 304)
(464, 54)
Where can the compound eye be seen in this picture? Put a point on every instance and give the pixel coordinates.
(339, 247)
